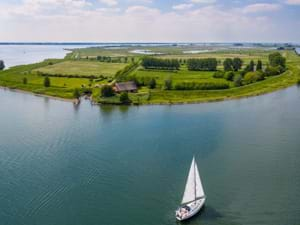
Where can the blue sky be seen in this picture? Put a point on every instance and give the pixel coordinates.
(150, 20)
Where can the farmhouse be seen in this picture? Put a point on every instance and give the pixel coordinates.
(129, 86)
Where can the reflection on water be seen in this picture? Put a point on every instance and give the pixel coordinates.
(66, 164)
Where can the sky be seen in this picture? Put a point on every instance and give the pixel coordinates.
(149, 21)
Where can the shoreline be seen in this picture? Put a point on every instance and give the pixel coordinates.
(38, 95)
(75, 101)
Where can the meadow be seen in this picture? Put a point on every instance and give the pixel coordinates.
(83, 74)
(82, 68)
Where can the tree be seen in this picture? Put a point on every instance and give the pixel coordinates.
(124, 98)
(24, 80)
(227, 64)
(208, 64)
(250, 67)
(107, 91)
(2, 66)
(168, 84)
(237, 64)
(47, 82)
(276, 59)
(259, 65)
(229, 75)
(152, 83)
(76, 93)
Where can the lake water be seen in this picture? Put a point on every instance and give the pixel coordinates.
(298, 50)
(91, 165)
(14, 55)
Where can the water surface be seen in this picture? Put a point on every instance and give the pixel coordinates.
(90, 165)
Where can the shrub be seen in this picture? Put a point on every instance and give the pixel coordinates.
(201, 86)
(47, 82)
(219, 74)
(238, 80)
(2, 66)
(229, 75)
(168, 84)
(124, 98)
(24, 80)
(152, 83)
(252, 77)
(273, 71)
(76, 93)
(107, 91)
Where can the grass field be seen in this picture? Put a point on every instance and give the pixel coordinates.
(85, 68)
(183, 75)
(64, 86)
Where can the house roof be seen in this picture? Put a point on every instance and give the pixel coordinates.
(126, 86)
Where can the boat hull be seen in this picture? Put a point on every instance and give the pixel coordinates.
(195, 207)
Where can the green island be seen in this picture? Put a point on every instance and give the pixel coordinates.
(158, 75)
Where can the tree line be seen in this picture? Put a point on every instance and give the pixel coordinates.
(155, 63)
(208, 64)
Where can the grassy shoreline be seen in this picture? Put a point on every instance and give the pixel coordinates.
(62, 88)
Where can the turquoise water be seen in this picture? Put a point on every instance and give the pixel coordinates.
(91, 165)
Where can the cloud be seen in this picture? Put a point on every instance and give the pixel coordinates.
(109, 2)
(182, 6)
(293, 2)
(261, 7)
(77, 22)
(203, 1)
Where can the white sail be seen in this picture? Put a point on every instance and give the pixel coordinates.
(193, 188)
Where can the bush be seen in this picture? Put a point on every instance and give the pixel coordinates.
(273, 71)
(24, 80)
(229, 76)
(168, 84)
(238, 80)
(124, 98)
(201, 86)
(2, 66)
(107, 91)
(252, 77)
(152, 83)
(219, 74)
(76, 93)
(47, 82)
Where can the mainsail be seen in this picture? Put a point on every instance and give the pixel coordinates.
(193, 188)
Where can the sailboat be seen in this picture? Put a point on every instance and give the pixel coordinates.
(193, 197)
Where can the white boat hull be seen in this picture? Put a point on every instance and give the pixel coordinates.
(194, 207)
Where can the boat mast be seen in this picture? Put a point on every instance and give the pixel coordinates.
(195, 190)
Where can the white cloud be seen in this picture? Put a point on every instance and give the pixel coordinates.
(182, 6)
(293, 2)
(138, 23)
(203, 1)
(261, 7)
(109, 2)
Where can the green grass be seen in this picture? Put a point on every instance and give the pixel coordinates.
(63, 87)
(83, 68)
(183, 75)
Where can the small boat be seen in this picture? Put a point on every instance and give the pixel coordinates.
(193, 197)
